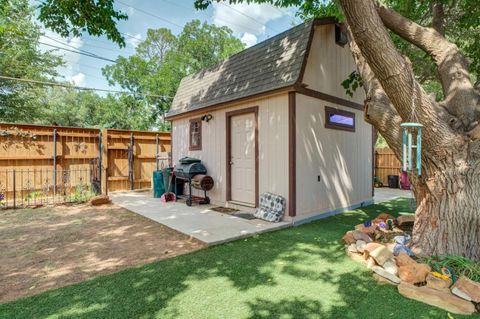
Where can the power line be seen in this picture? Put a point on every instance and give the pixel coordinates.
(151, 14)
(3, 77)
(57, 39)
(80, 52)
(73, 47)
(246, 15)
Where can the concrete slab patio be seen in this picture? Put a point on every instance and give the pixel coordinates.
(384, 194)
(199, 222)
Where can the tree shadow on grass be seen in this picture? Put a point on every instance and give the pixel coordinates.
(311, 255)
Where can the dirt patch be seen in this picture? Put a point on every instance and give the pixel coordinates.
(49, 248)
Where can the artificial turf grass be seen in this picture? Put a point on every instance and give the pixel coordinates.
(300, 272)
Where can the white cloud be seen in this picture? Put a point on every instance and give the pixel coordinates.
(249, 39)
(78, 79)
(134, 40)
(245, 18)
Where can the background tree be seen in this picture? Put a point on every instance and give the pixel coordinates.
(163, 59)
(20, 57)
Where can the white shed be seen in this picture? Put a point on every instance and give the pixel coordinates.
(275, 118)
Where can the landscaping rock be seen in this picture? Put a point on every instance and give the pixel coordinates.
(100, 200)
(385, 274)
(348, 238)
(406, 220)
(352, 248)
(414, 273)
(384, 217)
(361, 246)
(467, 287)
(371, 262)
(438, 283)
(367, 230)
(391, 267)
(358, 235)
(403, 260)
(372, 246)
(357, 257)
(381, 255)
(382, 280)
(440, 299)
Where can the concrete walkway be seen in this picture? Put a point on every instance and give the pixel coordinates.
(197, 221)
(385, 194)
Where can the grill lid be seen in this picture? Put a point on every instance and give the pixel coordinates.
(189, 160)
(189, 170)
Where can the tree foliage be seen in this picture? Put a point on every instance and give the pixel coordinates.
(20, 57)
(73, 17)
(163, 59)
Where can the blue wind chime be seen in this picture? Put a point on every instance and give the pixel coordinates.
(409, 130)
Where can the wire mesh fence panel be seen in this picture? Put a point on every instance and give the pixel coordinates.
(38, 187)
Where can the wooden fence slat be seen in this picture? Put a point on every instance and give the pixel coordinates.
(386, 163)
(30, 147)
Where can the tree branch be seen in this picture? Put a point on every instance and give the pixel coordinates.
(378, 110)
(395, 74)
(461, 100)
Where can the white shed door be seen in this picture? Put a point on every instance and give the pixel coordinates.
(242, 163)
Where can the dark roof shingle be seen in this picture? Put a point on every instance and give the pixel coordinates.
(272, 64)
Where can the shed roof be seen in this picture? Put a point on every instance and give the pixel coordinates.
(269, 65)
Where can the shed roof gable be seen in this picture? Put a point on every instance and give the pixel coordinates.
(273, 64)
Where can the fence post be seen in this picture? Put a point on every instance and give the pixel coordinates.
(130, 162)
(100, 159)
(104, 162)
(14, 190)
(156, 152)
(54, 163)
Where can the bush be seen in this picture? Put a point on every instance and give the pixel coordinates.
(460, 265)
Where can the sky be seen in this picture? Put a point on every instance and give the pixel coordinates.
(251, 23)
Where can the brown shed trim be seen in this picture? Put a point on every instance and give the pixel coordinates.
(327, 97)
(198, 147)
(292, 152)
(337, 126)
(228, 104)
(228, 175)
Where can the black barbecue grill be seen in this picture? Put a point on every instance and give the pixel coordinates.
(194, 172)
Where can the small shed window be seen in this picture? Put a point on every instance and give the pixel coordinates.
(195, 134)
(339, 119)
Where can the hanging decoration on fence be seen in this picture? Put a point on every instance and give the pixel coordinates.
(16, 132)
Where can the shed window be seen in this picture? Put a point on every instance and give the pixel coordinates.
(339, 119)
(195, 134)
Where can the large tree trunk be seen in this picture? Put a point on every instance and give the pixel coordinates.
(447, 215)
(448, 192)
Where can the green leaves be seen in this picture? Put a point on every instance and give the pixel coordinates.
(73, 17)
(352, 83)
(163, 59)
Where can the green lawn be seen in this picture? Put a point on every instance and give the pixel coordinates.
(300, 272)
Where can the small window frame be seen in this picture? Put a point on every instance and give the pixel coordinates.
(192, 122)
(338, 126)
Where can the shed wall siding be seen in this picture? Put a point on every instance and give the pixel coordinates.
(273, 145)
(328, 64)
(342, 159)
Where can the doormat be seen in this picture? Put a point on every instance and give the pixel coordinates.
(225, 210)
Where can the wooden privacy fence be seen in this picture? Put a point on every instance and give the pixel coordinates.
(386, 163)
(52, 164)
